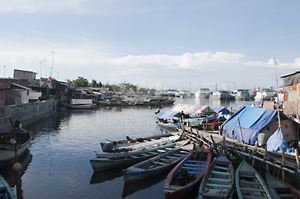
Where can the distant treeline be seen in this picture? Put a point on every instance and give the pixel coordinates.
(122, 87)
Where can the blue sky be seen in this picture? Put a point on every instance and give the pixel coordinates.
(155, 44)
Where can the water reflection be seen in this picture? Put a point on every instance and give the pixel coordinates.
(107, 175)
(130, 188)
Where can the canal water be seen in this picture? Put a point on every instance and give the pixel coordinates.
(57, 165)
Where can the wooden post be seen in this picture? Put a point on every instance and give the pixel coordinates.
(283, 164)
(297, 158)
(240, 130)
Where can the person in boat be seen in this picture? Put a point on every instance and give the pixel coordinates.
(199, 148)
(109, 147)
(18, 127)
(128, 139)
(185, 177)
(157, 111)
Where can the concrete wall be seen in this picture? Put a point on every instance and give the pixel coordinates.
(26, 113)
(292, 99)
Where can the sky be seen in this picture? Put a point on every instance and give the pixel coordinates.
(161, 44)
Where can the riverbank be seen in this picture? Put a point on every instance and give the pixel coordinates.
(26, 113)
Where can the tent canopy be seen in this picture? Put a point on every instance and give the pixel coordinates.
(252, 120)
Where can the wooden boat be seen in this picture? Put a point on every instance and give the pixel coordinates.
(124, 144)
(81, 104)
(110, 101)
(249, 183)
(99, 164)
(7, 149)
(174, 187)
(218, 181)
(198, 121)
(148, 146)
(154, 166)
(281, 189)
(5, 190)
(169, 125)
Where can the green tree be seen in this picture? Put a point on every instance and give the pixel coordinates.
(80, 82)
(94, 83)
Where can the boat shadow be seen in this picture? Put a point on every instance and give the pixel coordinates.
(106, 175)
(132, 187)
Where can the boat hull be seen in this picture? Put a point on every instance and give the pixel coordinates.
(100, 164)
(173, 190)
(153, 166)
(218, 181)
(245, 177)
(170, 126)
(7, 151)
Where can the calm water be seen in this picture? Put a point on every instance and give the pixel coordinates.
(58, 163)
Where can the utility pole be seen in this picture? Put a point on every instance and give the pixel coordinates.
(4, 71)
(52, 63)
(45, 68)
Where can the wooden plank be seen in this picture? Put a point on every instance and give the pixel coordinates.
(219, 179)
(223, 168)
(160, 163)
(193, 168)
(197, 161)
(250, 182)
(195, 165)
(218, 185)
(286, 195)
(219, 172)
(251, 189)
(191, 172)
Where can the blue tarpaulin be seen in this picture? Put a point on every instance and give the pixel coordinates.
(165, 114)
(252, 120)
(276, 141)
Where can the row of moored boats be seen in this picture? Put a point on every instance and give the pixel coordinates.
(147, 157)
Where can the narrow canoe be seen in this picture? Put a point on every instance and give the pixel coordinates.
(281, 189)
(99, 164)
(174, 187)
(138, 147)
(218, 181)
(5, 190)
(124, 144)
(250, 184)
(154, 166)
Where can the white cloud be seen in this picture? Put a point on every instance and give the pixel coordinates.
(45, 6)
(96, 61)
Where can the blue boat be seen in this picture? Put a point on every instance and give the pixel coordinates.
(5, 190)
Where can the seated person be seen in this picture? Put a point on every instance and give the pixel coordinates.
(109, 147)
(185, 177)
(199, 150)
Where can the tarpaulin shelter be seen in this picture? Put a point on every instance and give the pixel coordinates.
(222, 110)
(205, 110)
(252, 121)
(181, 107)
(165, 114)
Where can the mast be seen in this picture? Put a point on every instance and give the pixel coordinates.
(275, 63)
